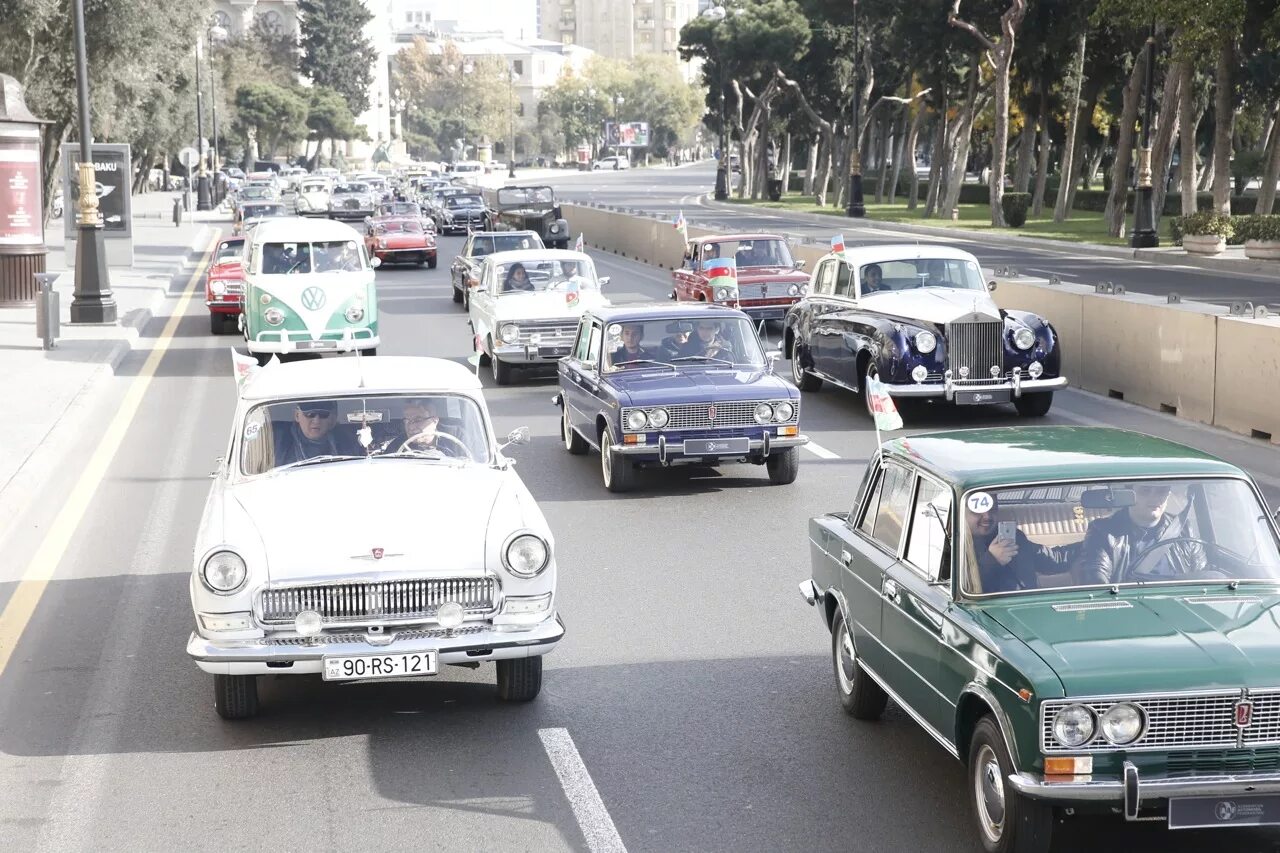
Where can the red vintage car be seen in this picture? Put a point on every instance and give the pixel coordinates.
(224, 286)
(400, 240)
(769, 280)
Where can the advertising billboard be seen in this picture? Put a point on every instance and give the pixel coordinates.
(114, 172)
(21, 213)
(626, 134)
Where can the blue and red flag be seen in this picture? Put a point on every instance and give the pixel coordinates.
(837, 243)
(722, 273)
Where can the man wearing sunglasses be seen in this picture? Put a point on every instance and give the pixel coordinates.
(311, 434)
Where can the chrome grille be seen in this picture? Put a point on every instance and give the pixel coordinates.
(1175, 721)
(973, 349)
(377, 601)
(339, 639)
(234, 287)
(550, 334)
(727, 415)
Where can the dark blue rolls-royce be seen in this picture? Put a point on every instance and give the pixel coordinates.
(661, 385)
(920, 318)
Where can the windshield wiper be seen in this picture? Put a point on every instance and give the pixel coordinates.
(315, 460)
(632, 361)
(704, 358)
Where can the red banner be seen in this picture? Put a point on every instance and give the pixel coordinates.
(21, 214)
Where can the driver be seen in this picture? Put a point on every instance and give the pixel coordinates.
(677, 339)
(421, 431)
(1113, 544)
(707, 341)
(1008, 564)
(632, 335)
(311, 434)
(347, 260)
(517, 279)
(937, 270)
(873, 279)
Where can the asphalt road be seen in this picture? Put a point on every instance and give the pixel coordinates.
(694, 682)
(669, 191)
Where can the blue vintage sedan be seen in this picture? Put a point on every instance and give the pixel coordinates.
(661, 385)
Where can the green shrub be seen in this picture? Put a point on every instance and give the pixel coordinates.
(1258, 227)
(1207, 223)
(1175, 230)
(1015, 206)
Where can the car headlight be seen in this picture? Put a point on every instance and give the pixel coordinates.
(658, 418)
(510, 333)
(1122, 723)
(783, 412)
(554, 229)
(224, 572)
(1036, 370)
(763, 413)
(722, 294)
(637, 420)
(793, 290)
(1073, 726)
(1024, 338)
(354, 314)
(926, 342)
(382, 242)
(218, 287)
(526, 555)
(274, 316)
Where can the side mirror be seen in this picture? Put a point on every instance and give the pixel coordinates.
(800, 265)
(604, 279)
(520, 435)
(771, 358)
(991, 286)
(375, 262)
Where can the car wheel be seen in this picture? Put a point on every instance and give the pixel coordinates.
(369, 351)
(860, 697)
(804, 381)
(573, 442)
(418, 263)
(1007, 823)
(519, 679)
(235, 697)
(431, 263)
(217, 324)
(457, 294)
(263, 357)
(1035, 405)
(503, 373)
(783, 467)
(618, 473)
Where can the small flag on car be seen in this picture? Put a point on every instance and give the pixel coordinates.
(722, 273)
(474, 358)
(579, 245)
(682, 227)
(243, 366)
(837, 243)
(571, 292)
(882, 407)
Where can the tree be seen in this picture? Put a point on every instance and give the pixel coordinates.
(335, 52)
(329, 118)
(268, 115)
(449, 96)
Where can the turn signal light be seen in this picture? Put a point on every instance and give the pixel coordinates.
(634, 438)
(789, 430)
(1074, 766)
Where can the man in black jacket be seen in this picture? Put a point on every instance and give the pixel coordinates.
(1005, 565)
(1114, 544)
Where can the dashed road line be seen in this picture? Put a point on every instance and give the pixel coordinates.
(819, 451)
(593, 818)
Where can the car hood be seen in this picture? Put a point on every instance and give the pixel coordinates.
(1152, 641)
(939, 305)
(546, 305)
(402, 240)
(325, 519)
(227, 269)
(757, 274)
(697, 385)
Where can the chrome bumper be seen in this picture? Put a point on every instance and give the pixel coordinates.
(528, 353)
(353, 340)
(948, 389)
(236, 304)
(1132, 790)
(258, 657)
(670, 452)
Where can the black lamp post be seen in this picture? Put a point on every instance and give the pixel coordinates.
(216, 34)
(203, 200)
(93, 301)
(716, 14)
(856, 208)
(1144, 207)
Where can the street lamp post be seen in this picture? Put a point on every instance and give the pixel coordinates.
(216, 34)
(1144, 208)
(202, 178)
(716, 14)
(618, 101)
(856, 207)
(512, 77)
(93, 301)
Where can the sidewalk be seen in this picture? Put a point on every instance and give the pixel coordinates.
(45, 389)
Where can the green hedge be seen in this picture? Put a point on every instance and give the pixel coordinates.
(1015, 207)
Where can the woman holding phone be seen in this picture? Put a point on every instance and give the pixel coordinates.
(1007, 559)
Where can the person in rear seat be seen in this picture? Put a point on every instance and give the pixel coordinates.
(1005, 565)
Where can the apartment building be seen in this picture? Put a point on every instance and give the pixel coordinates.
(619, 29)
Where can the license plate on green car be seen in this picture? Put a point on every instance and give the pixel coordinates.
(1223, 812)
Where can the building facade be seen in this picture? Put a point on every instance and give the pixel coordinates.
(239, 17)
(619, 29)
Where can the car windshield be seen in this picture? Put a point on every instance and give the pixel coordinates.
(401, 226)
(352, 188)
(1116, 532)
(302, 258)
(314, 187)
(439, 427)
(403, 209)
(686, 343)
(258, 211)
(229, 250)
(538, 274)
(489, 244)
(463, 201)
(520, 196)
(256, 192)
(751, 253)
(912, 273)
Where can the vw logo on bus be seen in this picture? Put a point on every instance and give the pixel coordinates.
(313, 298)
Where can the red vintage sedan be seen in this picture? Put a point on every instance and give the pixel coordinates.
(400, 240)
(224, 286)
(769, 280)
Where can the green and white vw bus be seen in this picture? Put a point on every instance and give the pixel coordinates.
(308, 289)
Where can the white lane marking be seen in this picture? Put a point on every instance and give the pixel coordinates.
(1051, 272)
(819, 451)
(593, 818)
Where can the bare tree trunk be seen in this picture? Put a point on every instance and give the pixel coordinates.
(1081, 156)
(887, 129)
(1026, 154)
(824, 172)
(1187, 140)
(812, 171)
(936, 160)
(1118, 200)
(909, 157)
(1042, 163)
(1066, 170)
(1166, 129)
(960, 148)
(1267, 191)
(1224, 124)
(785, 171)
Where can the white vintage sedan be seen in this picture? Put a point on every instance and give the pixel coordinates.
(313, 196)
(525, 306)
(365, 524)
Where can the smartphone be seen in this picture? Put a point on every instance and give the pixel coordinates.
(1007, 530)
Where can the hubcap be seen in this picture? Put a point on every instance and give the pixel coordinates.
(988, 785)
(605, 467)
(845, 665)
(564, 427)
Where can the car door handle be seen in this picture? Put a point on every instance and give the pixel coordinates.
(846, 558)
(890, 589)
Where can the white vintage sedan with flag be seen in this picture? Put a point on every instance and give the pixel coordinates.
(366, 524)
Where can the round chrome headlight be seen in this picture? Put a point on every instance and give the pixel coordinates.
(510, 333)
(658, 418)
(637, 420)
(793, 290)
(354, 314)
(1122, 723)
(926, 342)
(1036, 370)
(1074, 726)
(554, 229)
(450, 614)
(1024, 338)
(526, 555)
(763, 413)
(783, 412)
(308, 623)
(274, 316)
(218, 287)
(722, 293)
(224, 572)
(919, 373)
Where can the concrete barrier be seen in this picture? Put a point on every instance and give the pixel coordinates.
(1247, 377)
(1061, 305)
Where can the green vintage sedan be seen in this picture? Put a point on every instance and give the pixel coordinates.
(1088, 618)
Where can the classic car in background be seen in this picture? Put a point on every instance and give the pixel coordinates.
(769, 280)
(224, 286)
(409, 209)
(525, 310)
(920, 318)
(254, 192)
(531, 209)
(400, 240)
(464, 273)
(673, 384)
(313, 197)
(292, 577)
(460, 212)
(250, 213)
(1086, 617)
(351, 200)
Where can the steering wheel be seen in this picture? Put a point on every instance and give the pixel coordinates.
(405, 446)
(1180, 560)
(296, 266)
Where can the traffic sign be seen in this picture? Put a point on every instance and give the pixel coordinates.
(189, 157)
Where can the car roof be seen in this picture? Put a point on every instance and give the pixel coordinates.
(299, 229)
(374, 374)
(729, 238)
(516, 255)
(899, 251)
(994, 456)
(663, 311)
(505, 234)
